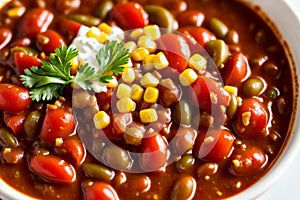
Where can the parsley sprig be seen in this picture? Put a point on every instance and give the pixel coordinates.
(48, 81)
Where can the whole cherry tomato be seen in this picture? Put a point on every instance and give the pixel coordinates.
(24, 61)
(247, 161)
(201, 35)
(48, 41)
(214, 145)
(154, 152)
(176, 50)
(129, 15)
(98, 190)
(36, 21)
(52, 168)
(236, 69)
(14, 98)
(251, 118)
(58, 123)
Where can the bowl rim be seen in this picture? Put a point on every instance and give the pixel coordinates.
(291, 148)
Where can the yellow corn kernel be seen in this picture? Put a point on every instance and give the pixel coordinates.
(123, 91)
(102, 37)
(147, 43)
(101, 120)
(197, 62)
(125, 105)
(112, 83)
(139, 54)
(151, 95)
(231, 90)
(58, 142)
(136, 33)
(187, 77)
(152, 31)
(148, 62)
(74, 65)
(149, 80)
(160, 61)
(16, 12)
(136, 92)
(148, 115)
(127, 65)
(131, 45)
(94, 32)
(128, 75)
(104, 27)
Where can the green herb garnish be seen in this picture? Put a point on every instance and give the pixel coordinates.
(48, 81)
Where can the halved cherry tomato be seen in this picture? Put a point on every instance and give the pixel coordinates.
(201, 35)
(48, 41)
(15, 121)
(214, 145)
(247, 161)
(98, 190)
(154, 152)
(36, 21)
(14, 98)
(236, 69)
(251, 118)
(73, 150)
(58, 123)
(52, 168)
(70, 28)
(205, 89)
(24, 61)
(176, 50)
(129, 15)
(5, 37)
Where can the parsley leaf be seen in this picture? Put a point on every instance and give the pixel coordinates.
(48, 81)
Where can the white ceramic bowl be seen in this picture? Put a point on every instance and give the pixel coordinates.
(288, 25)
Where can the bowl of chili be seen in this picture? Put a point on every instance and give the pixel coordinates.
(170, 100)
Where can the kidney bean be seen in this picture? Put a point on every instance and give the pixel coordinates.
(184, 189)
(169, 92)
(176, 7)
(190, 18)
(52, 168)
(5, 37)
(67, 6)
(98, 190)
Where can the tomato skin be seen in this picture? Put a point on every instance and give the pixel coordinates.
(52, 168)
(98, 190)
(154, 152)
(176, 50)
(5, 37)
(14, 98)
(124, 13)
(48, 41)
(201, 90)
(247, 162)
(15, 121)
(24, 61)
(201, 35)
(73, 150)
(258, 118)
(36, 21)
(236, 69)
(214, 145)
(58, 123)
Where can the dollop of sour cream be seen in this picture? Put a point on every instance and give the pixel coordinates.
(88, 48)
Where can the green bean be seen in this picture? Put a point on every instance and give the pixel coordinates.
(218, 28)
(232, 108)
(87, 20)
(253, 87)
(272, 93)
(103, 9)
(32, 123)
(161, 16)
(182, 113)
(98, 171)
(185, 162)
(219, 51)
(7, 138)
